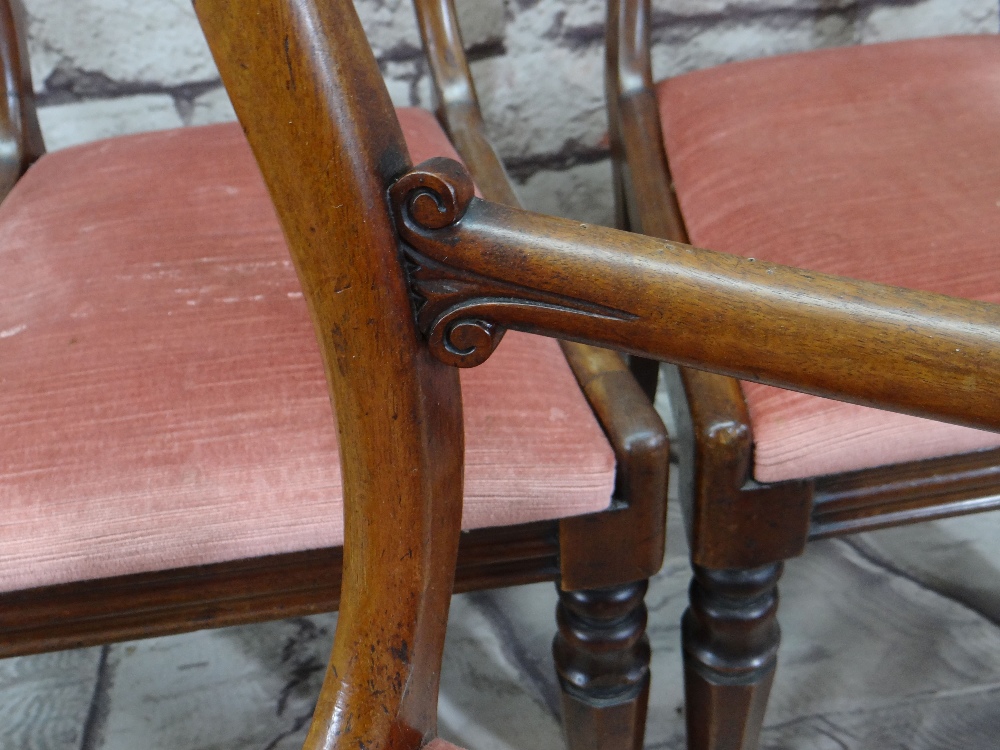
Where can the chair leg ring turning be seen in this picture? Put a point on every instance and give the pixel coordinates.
(602, 658)
(730, 636)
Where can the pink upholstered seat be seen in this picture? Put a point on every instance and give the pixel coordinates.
(876, 162)
(163, 401)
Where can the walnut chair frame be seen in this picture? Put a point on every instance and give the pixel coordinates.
(317, 115)
(741, 531)
(601, 561)
(601, 651)
(308, 93)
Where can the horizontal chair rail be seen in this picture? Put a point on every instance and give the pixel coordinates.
(477, 268)
(147, 605)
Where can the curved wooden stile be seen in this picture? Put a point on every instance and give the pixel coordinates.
(20, 135)
(309, 95)
(457, 102)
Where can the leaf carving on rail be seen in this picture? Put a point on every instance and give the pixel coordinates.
(462, 313)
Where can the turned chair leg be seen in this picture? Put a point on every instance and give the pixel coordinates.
(730, 636)
(602, 657)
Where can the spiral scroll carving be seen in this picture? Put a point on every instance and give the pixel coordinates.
(435, 194)
(462, 341)
(463, 313)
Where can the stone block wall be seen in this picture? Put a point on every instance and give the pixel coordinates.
(107, 67)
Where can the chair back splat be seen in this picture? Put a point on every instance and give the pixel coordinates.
(317, 115)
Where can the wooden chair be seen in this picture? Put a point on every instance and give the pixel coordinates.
(873, 162)
(435, 276)
(169, 457)
(407, 275)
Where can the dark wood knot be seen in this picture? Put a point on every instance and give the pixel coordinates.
(434, 194)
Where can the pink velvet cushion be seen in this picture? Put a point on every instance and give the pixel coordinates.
(163, 401)
(878, 162)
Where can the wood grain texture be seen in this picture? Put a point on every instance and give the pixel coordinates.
(601, 555)
(601, 549)
(733, 522)
(166, 602)
(308, 92)
(921, 353)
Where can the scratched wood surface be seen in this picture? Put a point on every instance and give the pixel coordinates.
(849, 676)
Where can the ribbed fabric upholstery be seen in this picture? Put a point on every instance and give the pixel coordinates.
(163, 402)
(876, 162)
(439, 744)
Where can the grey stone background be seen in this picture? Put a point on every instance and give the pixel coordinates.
(107, 67)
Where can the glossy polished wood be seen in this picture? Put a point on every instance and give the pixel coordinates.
(601, 554)
(317, 115)
(916, 352)
(730, 636)
(163, 602)
(543, 260)
(635, 526)
(308, 92)
(602, 656)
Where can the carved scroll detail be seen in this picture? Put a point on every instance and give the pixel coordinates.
(463, 314)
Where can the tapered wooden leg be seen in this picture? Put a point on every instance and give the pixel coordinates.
(602, 657)
(730, 636)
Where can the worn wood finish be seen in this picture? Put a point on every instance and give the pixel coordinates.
(734, 522)
(145, 605)
(309, 95)
(20, 136)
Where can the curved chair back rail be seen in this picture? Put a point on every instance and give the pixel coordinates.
(317, 115)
